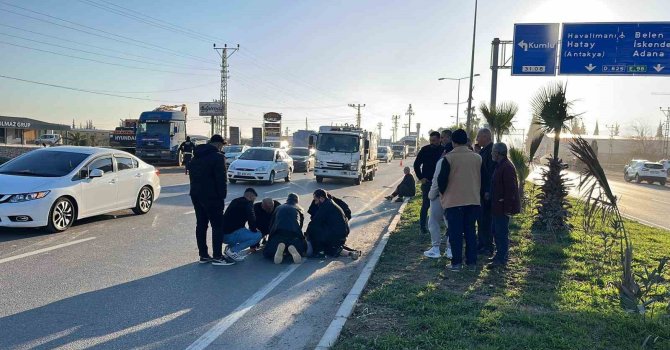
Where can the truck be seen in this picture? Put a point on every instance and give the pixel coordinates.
(345, 152)
(301, 138)
(399, 150)
(160, 133)
(124, 136)
(412, 143)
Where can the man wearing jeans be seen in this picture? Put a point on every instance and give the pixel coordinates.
(459, 184)
(235, 235)
(505, 203)
(424, 168)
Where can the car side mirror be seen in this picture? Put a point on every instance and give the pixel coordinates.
(96, 173)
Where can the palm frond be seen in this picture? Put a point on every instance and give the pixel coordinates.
(520, 162)
(499, 117)
(552, 109)
(534, 146)
(593, 174)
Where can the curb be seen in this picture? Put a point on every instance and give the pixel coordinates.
(347, 307)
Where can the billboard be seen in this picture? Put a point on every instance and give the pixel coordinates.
(210, 109)
(234, 138)
(256, 136)
(272, 117)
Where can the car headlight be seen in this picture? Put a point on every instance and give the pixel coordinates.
(262, 168)
(24, 197)
(353, 165)
(231, 167)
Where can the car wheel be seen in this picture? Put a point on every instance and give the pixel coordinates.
(61, 215)
(271, 180)
(637, 178)
(662, 182)
(145, 200)
(288, 175)
(232, 181)
(625, 177)
(319, 179)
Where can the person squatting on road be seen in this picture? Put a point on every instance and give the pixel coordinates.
(328, 230)
(424, 168)
(186, 149)
(314, 206)
(209, 186)
(406, 188)
(285, 234)
(505, 202)
(264, 211)
(459, 185)
(235, 235)
(484, 237)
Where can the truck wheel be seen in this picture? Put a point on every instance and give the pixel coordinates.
(319, 179)
(357, 181)
(662, 182)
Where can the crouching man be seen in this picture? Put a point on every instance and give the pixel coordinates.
(286, 232)
(329, 228)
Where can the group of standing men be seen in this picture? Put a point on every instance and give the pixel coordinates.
(246, 224)
(465, 188)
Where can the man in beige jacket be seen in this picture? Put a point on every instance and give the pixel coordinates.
(459, 183)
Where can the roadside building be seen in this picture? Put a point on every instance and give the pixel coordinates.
(24, 131)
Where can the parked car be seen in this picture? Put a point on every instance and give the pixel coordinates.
(49, 140)
(232, 152)
(54, 187)
(644, 170)
(261, 164)
(384, 153)
(303, 158)
(666, 165)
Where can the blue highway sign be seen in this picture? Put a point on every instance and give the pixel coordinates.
(535, 47)
(615, 48)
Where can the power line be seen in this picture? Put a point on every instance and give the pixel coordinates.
(93, 53)
(98, 61)
(151, 46)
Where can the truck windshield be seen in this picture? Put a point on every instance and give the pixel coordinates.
(398, 148)
(154, 128)
(337, 143)
(381, 150)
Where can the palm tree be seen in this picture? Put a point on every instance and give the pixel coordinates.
(520, 161)
(499, 118)
(76, 139)
(552, 112)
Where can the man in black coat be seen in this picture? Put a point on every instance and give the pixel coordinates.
(406, 188)
(186, 149)
(314, 206)
(209, 187)
(424, 168)
(264, 210)
(286, 232)
(328, 230)
(484, 236)
(236, 235)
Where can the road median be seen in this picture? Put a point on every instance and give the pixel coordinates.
(547, 298)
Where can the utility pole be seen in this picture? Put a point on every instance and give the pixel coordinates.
(666, 134)
(379, 128)
(306, 127)
(286, 132)
(225, 53)
(612, 129)
(495, 48)
(406, 127)
(358, 113)
(394, 136)
(409, 114)
(472, 70)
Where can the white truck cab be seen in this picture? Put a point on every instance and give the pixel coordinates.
(345, 152)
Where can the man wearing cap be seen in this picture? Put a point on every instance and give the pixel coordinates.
(236, 236)
(186, 149)
(424, 168)
(209, 186)
(459, 183)
(286, 232)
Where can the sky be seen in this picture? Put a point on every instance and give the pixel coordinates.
(306, 59)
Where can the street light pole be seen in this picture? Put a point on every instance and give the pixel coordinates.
(458, 93)
(472, 70)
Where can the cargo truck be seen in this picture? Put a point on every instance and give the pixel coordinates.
(345, 152)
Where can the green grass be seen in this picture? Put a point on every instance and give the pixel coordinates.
(546, 299)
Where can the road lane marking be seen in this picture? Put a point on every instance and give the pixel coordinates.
(279, 189)
(212, 334)
(178, 185)
(44, 250)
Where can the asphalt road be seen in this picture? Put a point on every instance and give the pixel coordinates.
(648, 204)
(124, 281)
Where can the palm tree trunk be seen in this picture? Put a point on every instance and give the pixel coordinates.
(557, 143)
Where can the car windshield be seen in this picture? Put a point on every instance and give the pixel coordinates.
(304, 152)
(381, 150)
(44, 163)
(232, 149)
(154, 128)
(337, 143)
(258, 154)
(653, 166)
(398, 148)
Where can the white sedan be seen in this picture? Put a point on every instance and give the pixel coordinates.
(261, 164)
(53, 187)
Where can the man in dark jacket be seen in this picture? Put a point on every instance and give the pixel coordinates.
(505, 202)
(424, 168)
(235, 235)
(264, 211)
(406, 188)
(445, 140)
(286, 232)
(484, 237)
(314, 206)
(186, 149)
(209, 185)
(328, 230)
